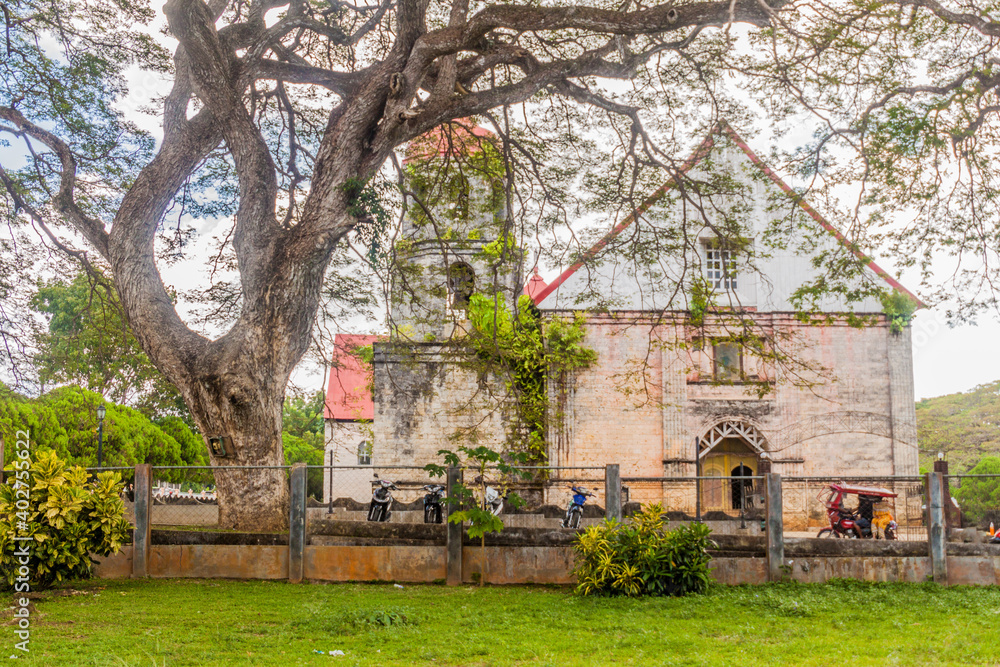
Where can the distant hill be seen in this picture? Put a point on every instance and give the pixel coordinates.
(964, 426)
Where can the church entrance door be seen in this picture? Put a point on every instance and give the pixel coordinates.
(733, 458)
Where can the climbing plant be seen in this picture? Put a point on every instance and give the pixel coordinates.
(898, 308)
(524, 353)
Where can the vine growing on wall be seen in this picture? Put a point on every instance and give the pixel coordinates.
(524, 351)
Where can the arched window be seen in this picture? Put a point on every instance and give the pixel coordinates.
(461, 283)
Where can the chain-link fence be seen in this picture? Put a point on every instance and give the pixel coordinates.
(729, 505)
(974, 500)
(531, 496)
(186, 498)
(814, 504)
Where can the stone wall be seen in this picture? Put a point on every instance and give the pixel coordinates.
(426, 401)
(641, 406)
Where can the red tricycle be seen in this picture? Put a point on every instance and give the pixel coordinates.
(866, 521)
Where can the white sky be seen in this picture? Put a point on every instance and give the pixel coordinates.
(946, 360)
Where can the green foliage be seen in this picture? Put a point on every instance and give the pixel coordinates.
(701, 300)
(979, 497)
(565, 351)
(641, 557)
(899, 308)
(501, 251)
(478, 462)
(516, 350)
(365, 201)
(963, 426)
(68, 516)
(446, 189)
(88, 343)
(302, 436)
(65, 420)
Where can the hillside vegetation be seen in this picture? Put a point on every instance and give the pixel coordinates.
(965, 426)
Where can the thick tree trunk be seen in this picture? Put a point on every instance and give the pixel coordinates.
(244, 406)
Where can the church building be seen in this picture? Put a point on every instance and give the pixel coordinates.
(722, 346)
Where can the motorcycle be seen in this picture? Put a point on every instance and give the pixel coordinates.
(378, 509)
(493, 502)
(865, 522)
(574, 513)
(432, 503)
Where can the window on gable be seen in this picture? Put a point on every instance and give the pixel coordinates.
(720, 266)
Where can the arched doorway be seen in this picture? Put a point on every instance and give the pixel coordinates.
(730, 450)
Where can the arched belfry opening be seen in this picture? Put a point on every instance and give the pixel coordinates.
(461, 285)
(730, 450)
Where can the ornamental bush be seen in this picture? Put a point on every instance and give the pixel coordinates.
(69, 517)
(642, 557)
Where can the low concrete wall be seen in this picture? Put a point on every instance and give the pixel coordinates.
(370, 563)
(520, 565)
(740, 562)
(225, 561)
(115, 566)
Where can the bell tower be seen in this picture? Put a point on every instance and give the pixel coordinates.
(453, 239)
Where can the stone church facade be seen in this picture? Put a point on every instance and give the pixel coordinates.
(742, 384)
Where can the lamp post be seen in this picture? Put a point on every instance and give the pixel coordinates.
(101, 411)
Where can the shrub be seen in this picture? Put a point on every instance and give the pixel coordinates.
(641, 557)
(69, 517)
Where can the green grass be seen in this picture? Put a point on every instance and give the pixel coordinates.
(197, 622)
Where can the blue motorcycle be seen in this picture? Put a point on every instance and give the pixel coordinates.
(575, 510)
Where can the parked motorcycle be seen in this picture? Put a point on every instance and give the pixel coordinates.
(493, 502)
(574, 513)
(866, 522)
(378, 509)
(432, 503)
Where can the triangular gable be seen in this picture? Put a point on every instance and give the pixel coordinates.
(700, 154)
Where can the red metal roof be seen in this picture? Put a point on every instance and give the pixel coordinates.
(348, 394)
(699, 154)
(535, 284)
(460, 134)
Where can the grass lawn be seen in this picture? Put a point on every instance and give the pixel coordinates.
(197, 622)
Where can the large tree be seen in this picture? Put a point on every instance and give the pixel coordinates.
(284, 110)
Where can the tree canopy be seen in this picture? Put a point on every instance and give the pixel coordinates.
(88, 343)
(65, 420)
(282, 116)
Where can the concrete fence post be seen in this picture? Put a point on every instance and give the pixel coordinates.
(453, 548)
(613, 492)
(297, 524)
(952, 517)
(142, 507)
(936, 534)
(774, 527)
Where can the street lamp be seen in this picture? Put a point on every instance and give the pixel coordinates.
(101, 411)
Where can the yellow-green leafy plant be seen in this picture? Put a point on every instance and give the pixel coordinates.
(69, 517)
(641, 557)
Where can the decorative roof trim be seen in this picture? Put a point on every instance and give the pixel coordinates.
(722, 127)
